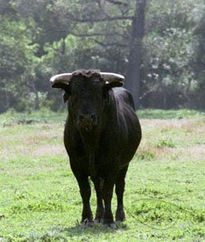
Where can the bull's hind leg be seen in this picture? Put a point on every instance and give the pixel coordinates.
(85, 192)
(119, 189)
(98, 182)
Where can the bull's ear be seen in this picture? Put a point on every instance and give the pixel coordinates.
(65, 97)
(109, 85)
(65, 87)
(61, 85)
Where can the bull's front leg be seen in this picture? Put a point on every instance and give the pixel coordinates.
(85, 192)
(98, 182)
(107, 197)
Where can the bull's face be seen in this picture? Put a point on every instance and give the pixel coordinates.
(86, 93)
(86, 100)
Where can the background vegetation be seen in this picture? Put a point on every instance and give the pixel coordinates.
(165, 185)
(157, 45)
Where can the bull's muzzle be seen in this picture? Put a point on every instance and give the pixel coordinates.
(87, 121)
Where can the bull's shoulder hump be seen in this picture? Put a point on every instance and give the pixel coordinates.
(123, 96)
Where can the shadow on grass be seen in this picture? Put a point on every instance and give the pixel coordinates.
(93, 229)
(58, 233)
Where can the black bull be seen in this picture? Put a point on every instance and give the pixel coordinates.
(101, 136)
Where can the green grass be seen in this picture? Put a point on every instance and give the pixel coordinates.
(46, 116)
(170, 114)
(165, 184)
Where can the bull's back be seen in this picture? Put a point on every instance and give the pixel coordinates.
(129, 126)
(123, 97)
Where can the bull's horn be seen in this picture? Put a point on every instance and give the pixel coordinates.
(61, 78)
(110, 77)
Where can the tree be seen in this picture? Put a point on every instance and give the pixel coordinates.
(16, 52)
(157, 45)
(169, 75)
(113, 25)
(49, 25)
(135, 51)
(198, 15)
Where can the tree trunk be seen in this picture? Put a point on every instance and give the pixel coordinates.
(6, 101)
(37, 106)
(135, 51)
(187, 94)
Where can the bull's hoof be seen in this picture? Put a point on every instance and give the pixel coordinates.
(120, 216)
(98, 220)
(86, 222)
(99, 215)
(108, 222)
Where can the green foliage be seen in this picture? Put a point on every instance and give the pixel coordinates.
(17, 56)
(42, 38)
(170, 76)
(198, 16)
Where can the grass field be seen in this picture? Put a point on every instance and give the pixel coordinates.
(165, 184)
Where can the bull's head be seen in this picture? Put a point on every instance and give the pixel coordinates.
(86, 93)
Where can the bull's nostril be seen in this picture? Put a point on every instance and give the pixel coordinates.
(87, 121)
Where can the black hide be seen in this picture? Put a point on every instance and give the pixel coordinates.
(101, 136)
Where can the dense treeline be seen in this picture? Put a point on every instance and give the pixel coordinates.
(158, 45)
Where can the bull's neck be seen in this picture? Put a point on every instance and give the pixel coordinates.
(91, 145)
(91, 139)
